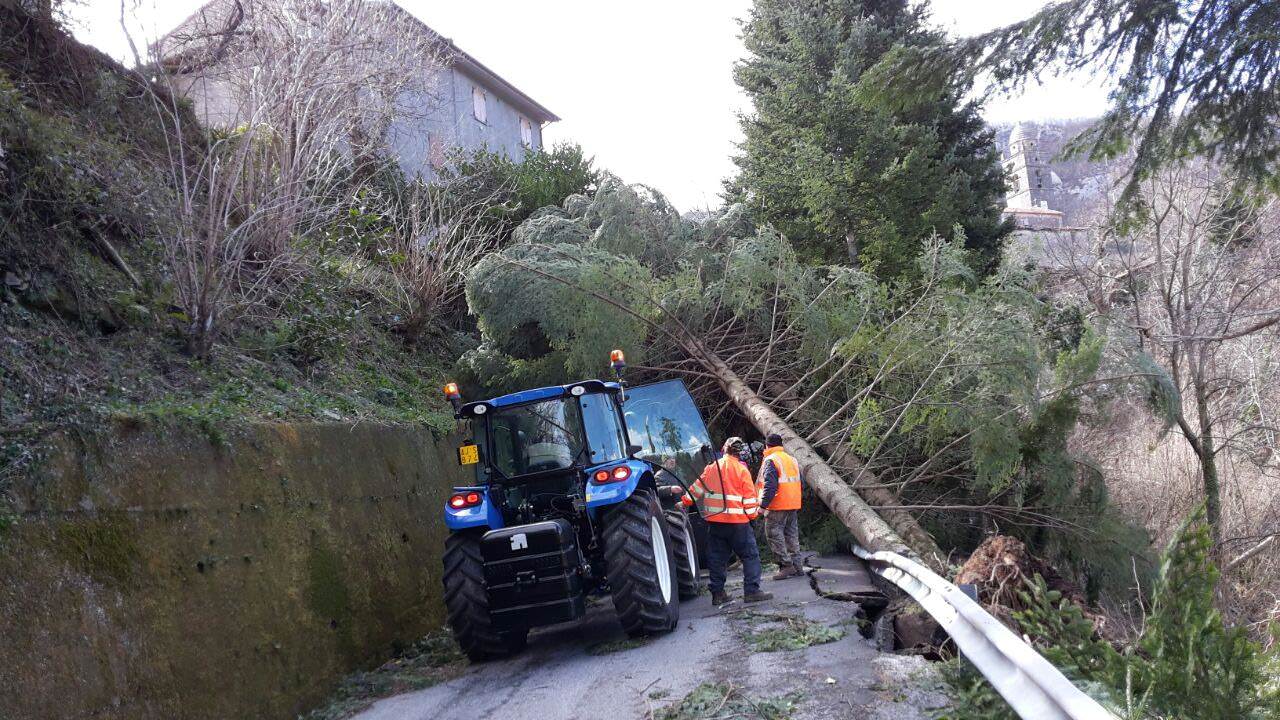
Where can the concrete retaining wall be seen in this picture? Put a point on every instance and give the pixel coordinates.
(169, 572)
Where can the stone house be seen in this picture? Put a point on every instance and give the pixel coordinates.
(470, 106)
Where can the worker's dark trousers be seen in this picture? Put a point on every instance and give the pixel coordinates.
(724, 540)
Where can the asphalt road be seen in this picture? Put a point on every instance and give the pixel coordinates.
(563, 675)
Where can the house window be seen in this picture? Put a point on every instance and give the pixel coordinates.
(478, 104)
(526, 132)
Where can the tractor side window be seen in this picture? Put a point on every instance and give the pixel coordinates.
(605, 439)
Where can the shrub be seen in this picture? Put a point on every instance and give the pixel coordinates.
(544, 179)
(1186, 663)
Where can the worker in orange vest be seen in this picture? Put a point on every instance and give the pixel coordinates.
(779, 484)
(726, 495)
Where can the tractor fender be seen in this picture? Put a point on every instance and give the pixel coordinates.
(484, 515)
(602, 494)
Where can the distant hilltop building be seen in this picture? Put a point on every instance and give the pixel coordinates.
(470, 106)
(1033, 187)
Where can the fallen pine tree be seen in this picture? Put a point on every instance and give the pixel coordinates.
(932, 398)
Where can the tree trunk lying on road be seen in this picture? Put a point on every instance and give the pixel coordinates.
(868, 527)
(840, 457)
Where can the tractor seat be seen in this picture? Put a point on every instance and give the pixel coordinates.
(547, 456)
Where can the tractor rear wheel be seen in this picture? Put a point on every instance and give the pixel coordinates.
(680, 530)
(467, 602)
(641, 566)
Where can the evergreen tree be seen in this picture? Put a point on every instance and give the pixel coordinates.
(515, 190)
(838, 170)
(1190, 78)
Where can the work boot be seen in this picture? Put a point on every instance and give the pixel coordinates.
(719, 598)
(785, 573)
(756, 597)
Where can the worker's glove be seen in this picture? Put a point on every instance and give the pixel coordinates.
(671, 492)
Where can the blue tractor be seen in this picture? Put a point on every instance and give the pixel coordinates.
(576, 493)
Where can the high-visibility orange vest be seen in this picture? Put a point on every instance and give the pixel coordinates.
(788, 495)
(725, 492)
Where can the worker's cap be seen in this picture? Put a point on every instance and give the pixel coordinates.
(734, 444)
(774, 440)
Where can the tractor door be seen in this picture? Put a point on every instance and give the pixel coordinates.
(664, 422)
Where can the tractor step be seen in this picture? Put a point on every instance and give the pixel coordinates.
(531, 574)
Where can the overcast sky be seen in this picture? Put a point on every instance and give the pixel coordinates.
(647, 88)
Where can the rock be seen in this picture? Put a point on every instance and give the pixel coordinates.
(918, 631)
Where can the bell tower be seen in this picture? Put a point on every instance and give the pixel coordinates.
(1029, 178)
(1031, 182)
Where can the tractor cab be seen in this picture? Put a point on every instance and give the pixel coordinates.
(569, 482)
(550, 451)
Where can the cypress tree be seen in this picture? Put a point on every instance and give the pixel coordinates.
(845, 175)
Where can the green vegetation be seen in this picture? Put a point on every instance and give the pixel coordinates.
(842, 175)
(1185, 663)
(613, 646)
(771, 632)
(519, 189)
(432, 660)
(714, 700)
(1189, 78)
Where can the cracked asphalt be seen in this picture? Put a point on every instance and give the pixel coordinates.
(558, 677)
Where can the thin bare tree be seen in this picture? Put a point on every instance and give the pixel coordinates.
(1195, 285)
(323, 78)
(439, 234)
(302, 94)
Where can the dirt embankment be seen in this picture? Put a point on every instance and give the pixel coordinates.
(156, 572)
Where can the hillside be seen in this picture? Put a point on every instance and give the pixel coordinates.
(90, 321)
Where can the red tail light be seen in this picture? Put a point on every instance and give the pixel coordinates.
(458, 501)
(617, 474)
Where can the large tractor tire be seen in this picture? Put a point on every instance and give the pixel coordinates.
(641, 566)
(467, 602)
(680, 529)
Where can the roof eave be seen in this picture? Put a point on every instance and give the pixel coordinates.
(534, 108)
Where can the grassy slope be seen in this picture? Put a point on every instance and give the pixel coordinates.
(81, 152)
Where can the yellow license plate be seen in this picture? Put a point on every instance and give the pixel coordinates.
(468, 455)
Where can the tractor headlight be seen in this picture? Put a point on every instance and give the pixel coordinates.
(480, 409)
(577, 390)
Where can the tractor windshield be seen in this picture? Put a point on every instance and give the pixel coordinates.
(537, 437)
(664, 421)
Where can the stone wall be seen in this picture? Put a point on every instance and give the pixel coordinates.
(170, 572)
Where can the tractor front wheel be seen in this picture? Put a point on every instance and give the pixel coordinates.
(467, 602)
(641, 566)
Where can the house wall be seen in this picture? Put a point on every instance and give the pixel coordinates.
(432, 123)
(501, 131)
(447, 120)
(213, 99)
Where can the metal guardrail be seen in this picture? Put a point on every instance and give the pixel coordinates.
(1031, 685)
